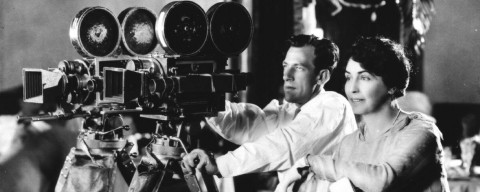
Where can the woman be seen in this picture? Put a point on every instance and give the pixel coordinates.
(392, 150)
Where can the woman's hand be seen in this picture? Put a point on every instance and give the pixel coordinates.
(292, 175)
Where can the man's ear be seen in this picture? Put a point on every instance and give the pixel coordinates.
(323, 76)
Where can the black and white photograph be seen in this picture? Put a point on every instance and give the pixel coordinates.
(240, 96)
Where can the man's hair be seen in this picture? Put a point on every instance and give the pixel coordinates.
(383, 57)
(326, 52)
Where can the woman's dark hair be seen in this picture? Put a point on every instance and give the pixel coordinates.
(326, 52)
(383, 57)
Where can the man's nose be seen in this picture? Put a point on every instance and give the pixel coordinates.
(288, 74)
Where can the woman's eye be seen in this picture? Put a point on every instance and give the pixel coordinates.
(347, 78)
(365, 78)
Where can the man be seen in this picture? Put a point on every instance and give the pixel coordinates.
(311, 121)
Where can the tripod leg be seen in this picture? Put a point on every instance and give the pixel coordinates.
(81, 174)
(146, 177)
(126, 166)
(190, 178)
(167, 183)
(209, 182)
(62, 178)
(153, 175)
(164, 177)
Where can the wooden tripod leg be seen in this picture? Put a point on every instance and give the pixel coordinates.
(164, 177)
(152, 176)
(190, 178)
(125, 166)
(146, 176)
(167, 183)
(159, 179)
(194, 185)
(209, 182)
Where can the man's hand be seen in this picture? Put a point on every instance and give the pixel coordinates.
(201, 160)
(291, 175)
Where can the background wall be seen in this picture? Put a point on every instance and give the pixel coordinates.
(452, 57)
(451, 76)
(35, 33)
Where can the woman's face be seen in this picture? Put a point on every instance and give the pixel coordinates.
(365, 91)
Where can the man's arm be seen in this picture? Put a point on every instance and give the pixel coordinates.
(311, 132)
(242, 122)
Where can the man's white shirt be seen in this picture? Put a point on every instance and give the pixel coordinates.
(272, 139)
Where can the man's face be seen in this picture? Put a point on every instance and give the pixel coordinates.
(299, 74)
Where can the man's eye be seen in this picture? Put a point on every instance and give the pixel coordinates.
(299, 68)
(347, 78)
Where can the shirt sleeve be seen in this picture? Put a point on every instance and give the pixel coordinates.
(311, 130)
(241, 122)
(416, 149)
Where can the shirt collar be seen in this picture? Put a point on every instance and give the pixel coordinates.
(316, 95)
(400, 123)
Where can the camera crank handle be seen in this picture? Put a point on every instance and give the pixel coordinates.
(126, 127)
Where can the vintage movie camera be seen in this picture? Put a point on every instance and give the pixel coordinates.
(190, 76)
(122, 72)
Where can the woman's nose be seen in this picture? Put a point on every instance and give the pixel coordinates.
(351, 86)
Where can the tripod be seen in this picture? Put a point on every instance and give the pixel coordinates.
(163, 160)
(101, 151)
(92, 164)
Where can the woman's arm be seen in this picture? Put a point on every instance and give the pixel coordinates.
(415, 149)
